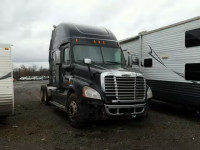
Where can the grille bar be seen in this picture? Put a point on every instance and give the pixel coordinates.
(124, 89)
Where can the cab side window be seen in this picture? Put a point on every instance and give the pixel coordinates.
(67, 56)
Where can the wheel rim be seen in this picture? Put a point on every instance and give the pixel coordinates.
(73, 110)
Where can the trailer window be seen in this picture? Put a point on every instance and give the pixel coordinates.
(148, 62)
(192, 71)
(192, 38)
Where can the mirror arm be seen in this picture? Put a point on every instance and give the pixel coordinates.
(89, 71)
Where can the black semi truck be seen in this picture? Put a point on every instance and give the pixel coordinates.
(89, 77)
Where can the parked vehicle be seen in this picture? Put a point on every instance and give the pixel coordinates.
(22, 79)
(45, 77)
(169, 58)
(6, 81)
(31, 78)
(89, 78)
(38, 78)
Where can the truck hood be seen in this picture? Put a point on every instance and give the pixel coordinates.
(96, 71)
(115, 68)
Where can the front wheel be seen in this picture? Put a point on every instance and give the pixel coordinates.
(44, 95)
(73, 111)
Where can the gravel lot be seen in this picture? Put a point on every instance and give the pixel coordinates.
(38, 127)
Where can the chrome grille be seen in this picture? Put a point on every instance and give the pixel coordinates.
(124, 89)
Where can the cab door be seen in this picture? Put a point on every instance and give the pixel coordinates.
(66, 75)
(63, 76)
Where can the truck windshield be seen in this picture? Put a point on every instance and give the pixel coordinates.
(99, 55)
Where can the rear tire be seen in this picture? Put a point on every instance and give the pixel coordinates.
(73, 112)
(42, 93)
(46, 97)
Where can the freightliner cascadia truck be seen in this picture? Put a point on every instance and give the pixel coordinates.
(89, 77)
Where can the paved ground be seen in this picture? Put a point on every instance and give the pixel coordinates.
(39, 127)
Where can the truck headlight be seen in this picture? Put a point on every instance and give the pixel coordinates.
(149, 93)
(90, 93)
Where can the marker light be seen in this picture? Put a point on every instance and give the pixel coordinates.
(94, 42)
(6, 48)
(69, 82)
(76, 40)
(99, 42)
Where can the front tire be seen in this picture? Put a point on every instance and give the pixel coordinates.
(73, 111)
(44, 98)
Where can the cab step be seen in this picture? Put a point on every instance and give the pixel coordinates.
(58, 105)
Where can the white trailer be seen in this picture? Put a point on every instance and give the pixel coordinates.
(6, 81)
(169, 58)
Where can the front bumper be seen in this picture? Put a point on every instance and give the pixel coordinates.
(98, 110)
(119, 110)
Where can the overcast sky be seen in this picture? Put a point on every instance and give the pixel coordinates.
(27, 24)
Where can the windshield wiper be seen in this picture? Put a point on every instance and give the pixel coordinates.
(113, 62)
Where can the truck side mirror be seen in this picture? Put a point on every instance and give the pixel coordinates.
(87, 61)
(129, 60)
(135, 61)
(58, 60)
(125, 52)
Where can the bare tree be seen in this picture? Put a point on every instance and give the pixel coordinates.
(30, 71)
(24, 71)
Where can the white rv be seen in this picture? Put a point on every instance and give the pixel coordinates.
(169, 58)
(6, 81)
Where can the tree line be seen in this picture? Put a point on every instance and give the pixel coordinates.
(33, 70)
